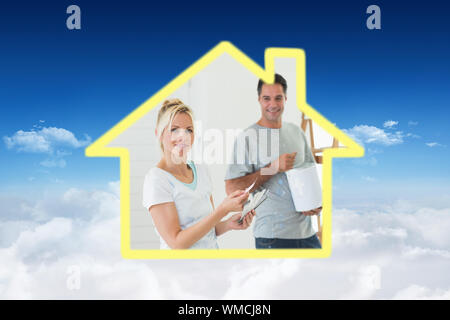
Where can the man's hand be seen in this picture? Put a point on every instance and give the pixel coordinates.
(312, 212)
(284, 163)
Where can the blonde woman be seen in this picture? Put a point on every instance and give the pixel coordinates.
(177, 193)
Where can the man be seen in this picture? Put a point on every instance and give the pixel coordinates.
(278, 225)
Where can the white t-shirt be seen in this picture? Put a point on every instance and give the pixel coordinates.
(192, 204)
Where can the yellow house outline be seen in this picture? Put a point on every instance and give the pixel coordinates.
(352, 149)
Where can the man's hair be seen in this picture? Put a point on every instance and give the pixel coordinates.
(278, 79)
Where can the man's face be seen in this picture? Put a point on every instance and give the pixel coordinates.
(272, 100)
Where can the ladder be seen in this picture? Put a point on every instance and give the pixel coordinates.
(317, 157)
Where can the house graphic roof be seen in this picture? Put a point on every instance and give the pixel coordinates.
(99, 148)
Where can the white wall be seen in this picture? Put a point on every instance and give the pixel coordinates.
(222, 96)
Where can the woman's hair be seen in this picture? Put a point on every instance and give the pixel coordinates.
(169, 109)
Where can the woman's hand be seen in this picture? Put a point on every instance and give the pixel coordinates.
(234, 202)
(233, 221)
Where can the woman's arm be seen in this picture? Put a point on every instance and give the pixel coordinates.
(167, 223)
(165, 217)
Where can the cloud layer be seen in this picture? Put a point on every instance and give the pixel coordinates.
(392, 251)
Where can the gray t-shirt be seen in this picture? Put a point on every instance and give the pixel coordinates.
(256, 147)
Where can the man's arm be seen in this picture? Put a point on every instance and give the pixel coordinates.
(244, 182)
(282, 164)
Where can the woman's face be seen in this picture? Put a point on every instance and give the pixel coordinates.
(177, 140)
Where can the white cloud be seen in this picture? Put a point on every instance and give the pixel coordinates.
(370, 134)
(422, 293)
(55, 142)
(413, 123)
(366, 161)
(374, 151)
(73, 203)
(412, 135)
(433, 144)
(389, 251)
(45, 140)
(52, 163)
(372, 258)
(11, 230)
(43, 240)
(35, 264)
(258, 282)
(29, 141)
(390, 123)
(365, 282)
(415, 252)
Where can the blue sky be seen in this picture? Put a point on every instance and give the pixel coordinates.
(86, 81)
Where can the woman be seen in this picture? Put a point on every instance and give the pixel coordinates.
(178, 193)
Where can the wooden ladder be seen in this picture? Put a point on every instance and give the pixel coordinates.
(315, 151)
(318, 158)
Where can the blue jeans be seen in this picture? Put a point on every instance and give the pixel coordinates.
(275, 243)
